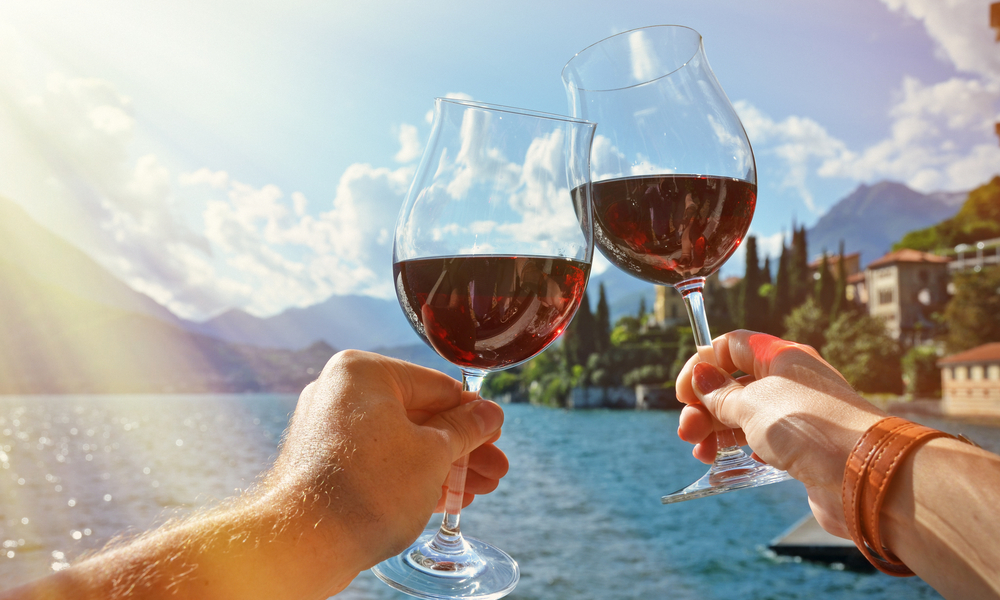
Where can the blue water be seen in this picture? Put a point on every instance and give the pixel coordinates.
(580, 509)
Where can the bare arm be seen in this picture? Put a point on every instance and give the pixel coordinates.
(797, 413)
(358, 476)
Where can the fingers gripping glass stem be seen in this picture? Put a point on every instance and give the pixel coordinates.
(732, 469)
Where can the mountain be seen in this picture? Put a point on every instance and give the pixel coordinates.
(360, 322)
(50, 259)
(977, 220)
(872, 218)
(54, 341)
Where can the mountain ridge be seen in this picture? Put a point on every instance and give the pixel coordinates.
(873, 217)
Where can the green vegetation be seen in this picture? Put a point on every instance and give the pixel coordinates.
(593, 354)
(978, 219)
(793, 304)
(973, 314)
(921, 375)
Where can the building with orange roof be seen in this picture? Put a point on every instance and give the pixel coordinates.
(905, 288)
(970, 382)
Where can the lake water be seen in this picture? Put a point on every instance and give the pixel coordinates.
(580, 509)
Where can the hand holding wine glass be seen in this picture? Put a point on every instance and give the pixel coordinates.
(491, 258)
(674, 185)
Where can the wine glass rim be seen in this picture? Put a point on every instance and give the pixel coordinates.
(513, 110)
(601, 41)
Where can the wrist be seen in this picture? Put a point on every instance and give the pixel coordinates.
(878, 481)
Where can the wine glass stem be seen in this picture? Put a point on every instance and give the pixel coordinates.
(449, 536)
(691, 290)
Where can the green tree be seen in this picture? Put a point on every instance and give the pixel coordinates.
(921, 375)
(863, 351)
(799, 276)
(717, 305)
(826, 287)
(807, 324)
(978, 219)
(753, 307)
(781, 304)
(685, 350)
(840, 294)
(973, 313)
(603, 323)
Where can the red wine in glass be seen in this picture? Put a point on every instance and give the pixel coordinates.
(490, 260)
(669, 228)
(490, 312)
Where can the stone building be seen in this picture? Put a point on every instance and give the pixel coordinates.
(905, 288)
(970, 382)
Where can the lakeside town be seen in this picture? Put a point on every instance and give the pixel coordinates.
(920, 324)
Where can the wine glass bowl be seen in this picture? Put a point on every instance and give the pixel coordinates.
(491, 258)
(674, 185)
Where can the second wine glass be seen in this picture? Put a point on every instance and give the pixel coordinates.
(674, 185)
(492, 254)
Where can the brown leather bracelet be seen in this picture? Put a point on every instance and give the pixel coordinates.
(869, 471)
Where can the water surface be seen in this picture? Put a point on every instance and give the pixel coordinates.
(580, 509)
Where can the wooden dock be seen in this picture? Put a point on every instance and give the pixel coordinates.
(808, 541)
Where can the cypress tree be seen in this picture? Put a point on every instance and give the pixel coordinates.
(840, 299)
(801, 280)
(603, 322)
(753, 313)
(767, 297)
(826, 287)
(782, 304)
(586, 329)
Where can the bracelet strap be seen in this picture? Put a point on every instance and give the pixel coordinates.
(869, 471)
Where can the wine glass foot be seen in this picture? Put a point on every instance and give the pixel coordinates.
(479, 571)
(727, 474)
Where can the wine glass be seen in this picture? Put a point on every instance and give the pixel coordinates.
(674, 185)
(491, 258)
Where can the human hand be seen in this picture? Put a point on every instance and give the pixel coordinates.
(794, 410)
(370, 445)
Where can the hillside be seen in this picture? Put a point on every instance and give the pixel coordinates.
(872, 218)
(978, 219)
(53, 341)
(50, 259)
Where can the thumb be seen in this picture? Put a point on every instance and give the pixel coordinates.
(720, 393)
(468, 426)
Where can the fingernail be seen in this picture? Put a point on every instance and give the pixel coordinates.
(489, 415)
(707, 378)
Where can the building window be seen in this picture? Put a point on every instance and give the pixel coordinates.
(961, 373)
(994, 373)
(885, 296)
(977, 373)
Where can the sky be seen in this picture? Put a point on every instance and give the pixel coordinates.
(220, 154)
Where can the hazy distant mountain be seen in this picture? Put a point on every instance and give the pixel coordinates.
(360, 322)
(53, 341)
(49, 259)
(872, 218)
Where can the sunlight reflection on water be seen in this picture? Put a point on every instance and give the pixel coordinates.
(579, 510)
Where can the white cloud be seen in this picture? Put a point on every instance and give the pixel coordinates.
(429, 115)
(961, 30)
(252, 247)
(941, 139)
(216, 179)
(409, 144)
(797, 142)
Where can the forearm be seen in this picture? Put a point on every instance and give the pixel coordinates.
(940, 518)
(249, 551)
